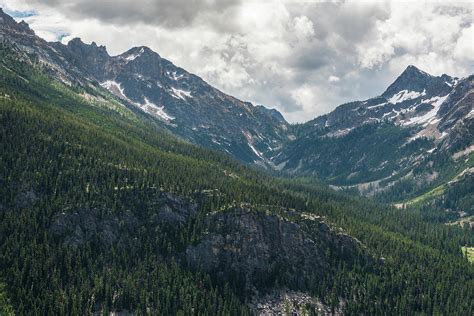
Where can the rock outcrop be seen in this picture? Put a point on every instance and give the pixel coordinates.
(262, 249)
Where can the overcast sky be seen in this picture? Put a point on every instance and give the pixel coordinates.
(302, 57)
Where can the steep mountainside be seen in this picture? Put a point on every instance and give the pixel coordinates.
(414, 98)
(418, 134)
(182, 103)
(186, 104)
(94, 204)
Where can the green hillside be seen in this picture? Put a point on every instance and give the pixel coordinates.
(100, 210)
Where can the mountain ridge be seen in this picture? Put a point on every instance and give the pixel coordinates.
(431, 112)
(183, 103)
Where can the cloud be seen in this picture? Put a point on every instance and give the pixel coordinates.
(304, 58)
(433, 36)
(175, 13)
(303, 27)
(464, 48)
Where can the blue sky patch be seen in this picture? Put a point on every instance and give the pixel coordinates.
(21, 14)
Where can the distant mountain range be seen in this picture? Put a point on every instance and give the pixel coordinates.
(370, 145)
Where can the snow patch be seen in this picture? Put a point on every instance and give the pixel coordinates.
(453, 82)
(430, 115)
(115, 88)
(173, 75)
(153, 109)
(370, 120)
(405, 95)
(387, 114)
(134, 56)
(340, 132)
(147, 107)
(180, 94)
(470, 114)
(131, 57)
(249, 138)
(256, 152)
(377, 106)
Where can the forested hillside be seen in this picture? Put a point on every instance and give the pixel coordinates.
(101, 212)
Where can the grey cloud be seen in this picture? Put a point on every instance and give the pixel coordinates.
(175, 13)
(311, 59)
(348, 20)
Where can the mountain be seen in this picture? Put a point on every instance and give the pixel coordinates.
(187, 105)
(104, 211)
(414, 94)
(376, 146)
(183, 103)
(415, 137)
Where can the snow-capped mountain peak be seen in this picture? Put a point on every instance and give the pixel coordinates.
(414, 80)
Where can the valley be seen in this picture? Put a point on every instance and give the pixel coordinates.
(131, 186)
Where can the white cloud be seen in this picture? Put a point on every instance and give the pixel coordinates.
(464, 49)
(429, 35)
(303, 27)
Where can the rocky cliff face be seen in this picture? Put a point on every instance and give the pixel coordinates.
(79, 225)
(264, 250)
(457, 116)
(257, 249)
(295, 303)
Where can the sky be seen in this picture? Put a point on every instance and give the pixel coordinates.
(303, 58)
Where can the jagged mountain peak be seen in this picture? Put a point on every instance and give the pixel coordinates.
(77, 45)
(23, 26)
(412, 69)
(413, 79)
(141, 49)
(138, 51)
(273, 113)
(10, 22)
(412, 72)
